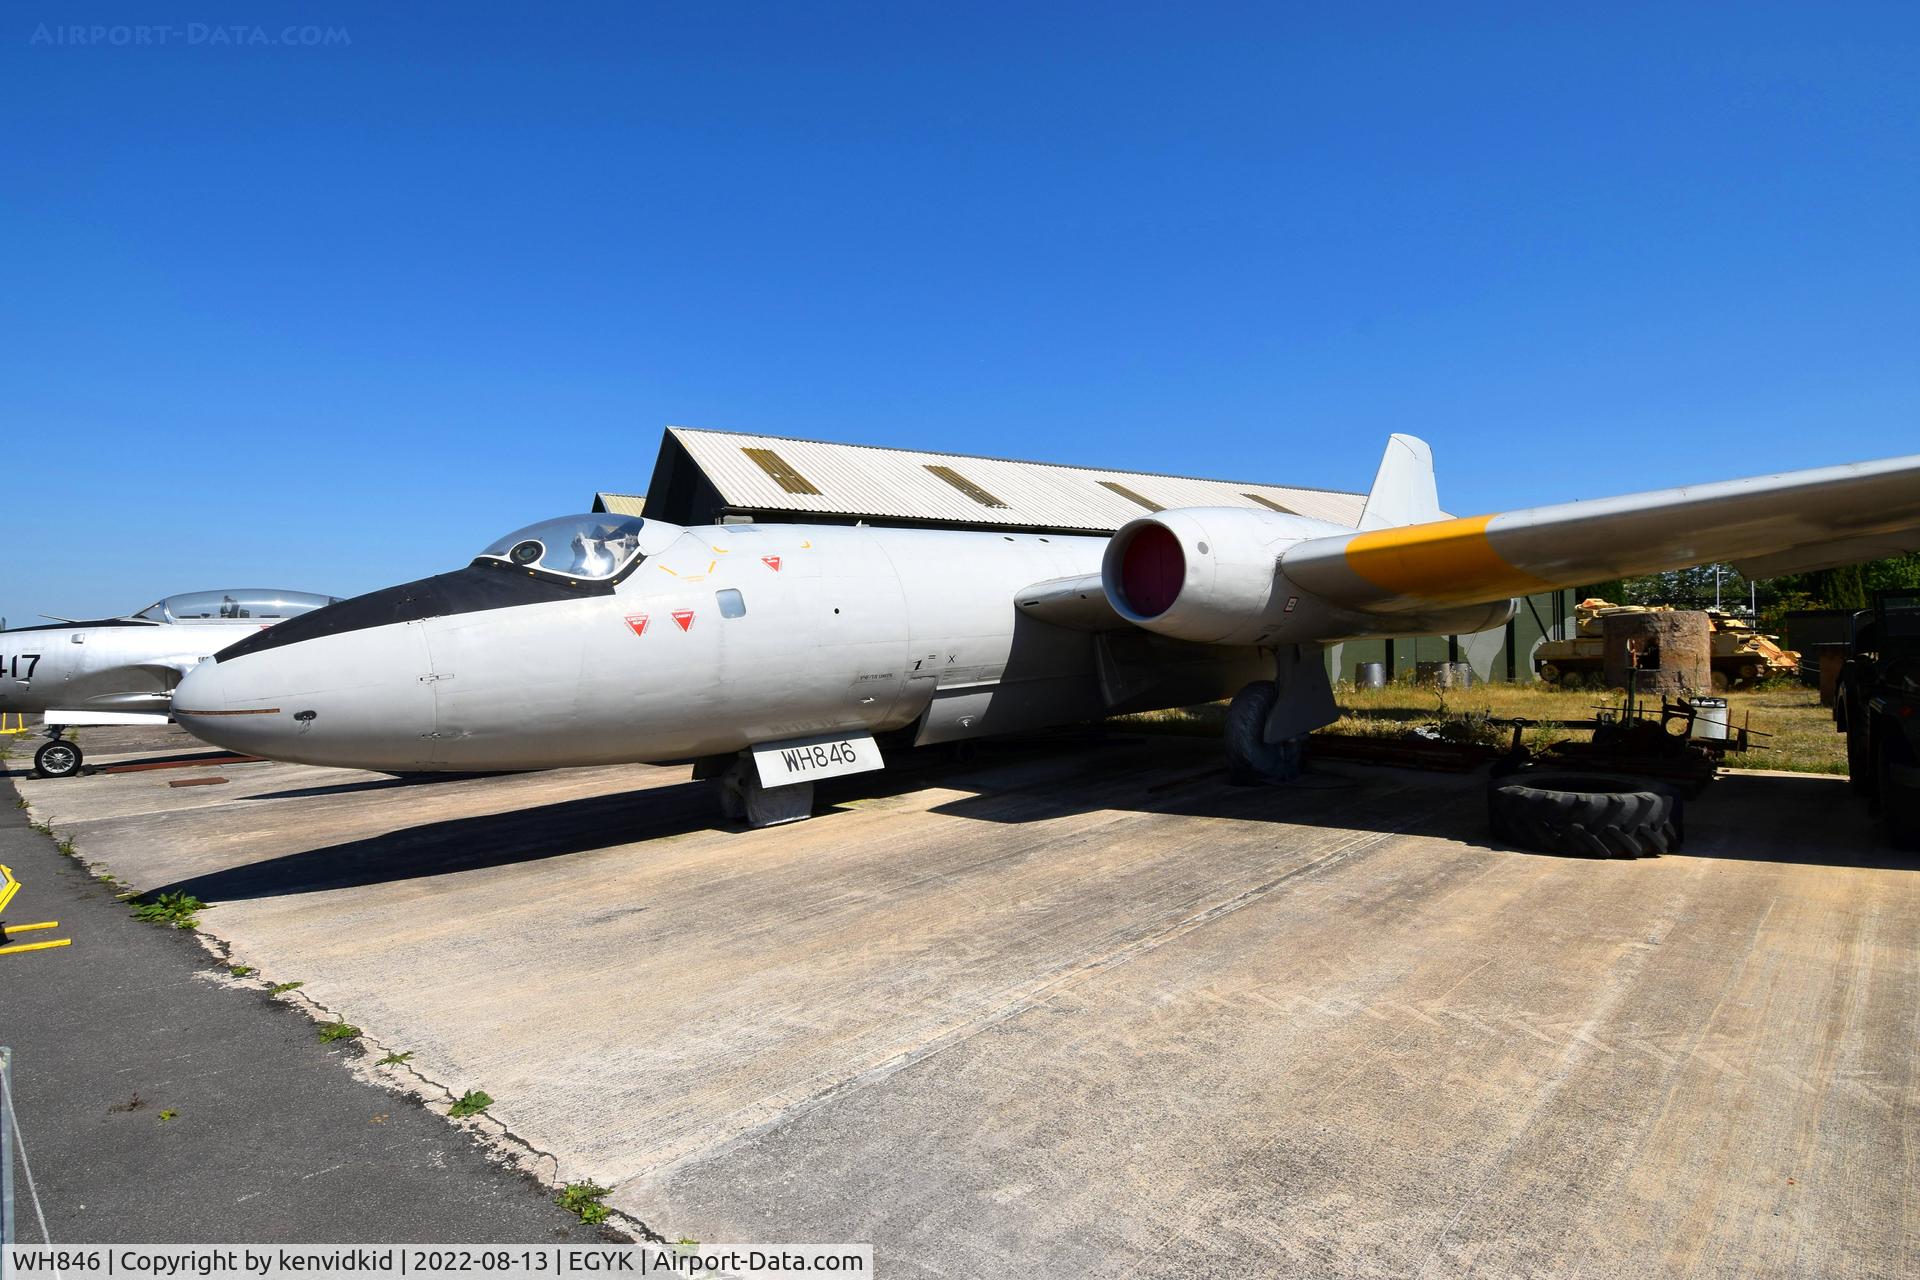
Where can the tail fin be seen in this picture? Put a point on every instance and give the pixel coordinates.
(1403, 489)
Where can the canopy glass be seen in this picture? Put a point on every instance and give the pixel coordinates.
(587, 548)
(242, 604)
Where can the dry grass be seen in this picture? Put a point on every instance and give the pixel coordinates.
(1801, 730)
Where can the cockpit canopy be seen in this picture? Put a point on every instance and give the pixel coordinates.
(243, 604)
(587, 548)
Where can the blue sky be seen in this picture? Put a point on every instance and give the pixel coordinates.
(334, 316)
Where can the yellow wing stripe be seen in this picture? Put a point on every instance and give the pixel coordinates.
(1448, 559)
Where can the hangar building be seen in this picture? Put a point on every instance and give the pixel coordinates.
(727, 477)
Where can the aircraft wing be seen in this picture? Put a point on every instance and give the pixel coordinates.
(1079, 604)
(170, 671)
(1789, 523)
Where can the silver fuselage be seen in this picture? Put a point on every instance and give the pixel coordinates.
(116, 666)
(837, 629)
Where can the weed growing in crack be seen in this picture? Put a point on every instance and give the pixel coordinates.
(470, 1103)
(181, 910)
(338, 1031)
(582, 1199)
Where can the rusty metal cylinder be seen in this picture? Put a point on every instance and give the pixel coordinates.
(1670, 652)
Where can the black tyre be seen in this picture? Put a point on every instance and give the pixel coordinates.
(1587, 815)
(57, 759)
(1859, 758)
(1251, 760)
(1899, 804)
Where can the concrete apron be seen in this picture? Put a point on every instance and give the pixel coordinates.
(1094, 1010)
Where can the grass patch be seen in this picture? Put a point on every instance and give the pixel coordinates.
(239, 970)
(338, 1031)
(168, 1115)
(582, 1199)
(281, 988)
(394, 1059)
(470, 1103)
(1800, 731)
(181, 910)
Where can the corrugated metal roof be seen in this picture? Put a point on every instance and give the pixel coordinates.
(620, 504)
(757, 473)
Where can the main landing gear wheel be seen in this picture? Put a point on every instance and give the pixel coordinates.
(1587, 815)
(57, 759)
(1899, 805)
(1251, 759)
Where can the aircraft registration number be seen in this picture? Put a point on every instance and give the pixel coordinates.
(804, 759)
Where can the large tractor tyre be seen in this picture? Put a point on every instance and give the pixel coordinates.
(57, 759)
(1586, 815)
(1251, 760)
(1899, 804)
(1860, 762)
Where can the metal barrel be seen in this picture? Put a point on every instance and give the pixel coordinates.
(1709, 718)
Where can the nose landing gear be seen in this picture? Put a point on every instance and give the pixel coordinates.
(57, 758)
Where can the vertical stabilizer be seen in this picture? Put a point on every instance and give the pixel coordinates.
(1403, 489)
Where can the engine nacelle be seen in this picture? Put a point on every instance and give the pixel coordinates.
(1207, 574)
(1212, 575)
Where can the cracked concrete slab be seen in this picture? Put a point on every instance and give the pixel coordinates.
(1084, 1005)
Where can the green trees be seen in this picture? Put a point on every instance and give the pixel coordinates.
(1846, 587)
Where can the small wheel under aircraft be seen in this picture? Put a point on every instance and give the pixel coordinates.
(1251, 760)
(57, 759)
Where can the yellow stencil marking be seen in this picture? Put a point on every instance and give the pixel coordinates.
(1448, 559)
(664, 569)
(8, 887)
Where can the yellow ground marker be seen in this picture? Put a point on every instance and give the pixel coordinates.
(9, 886)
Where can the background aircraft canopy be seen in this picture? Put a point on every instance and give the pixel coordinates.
(242, 604)
(589, 548)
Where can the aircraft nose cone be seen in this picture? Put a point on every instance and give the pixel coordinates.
(356, 699)
(202, 706)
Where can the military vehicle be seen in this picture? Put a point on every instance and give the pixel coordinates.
(1877, 705)
(1742, 656)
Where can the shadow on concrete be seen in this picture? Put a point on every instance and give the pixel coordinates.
(466, 844)
(1810, 820)
(370, 784)
(1807, 819)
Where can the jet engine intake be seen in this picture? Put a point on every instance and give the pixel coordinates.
(1213, 575)
(1206, 574)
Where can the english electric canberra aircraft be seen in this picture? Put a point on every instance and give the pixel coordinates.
(123, 670)
(772, 654)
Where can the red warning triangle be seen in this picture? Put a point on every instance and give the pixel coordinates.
(772, 562)
(638, 621)
(684, 618)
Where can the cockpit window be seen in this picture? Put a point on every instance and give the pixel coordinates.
(243, 604)
(591, 548)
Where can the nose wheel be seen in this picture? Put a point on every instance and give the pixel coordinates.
(57, 759)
